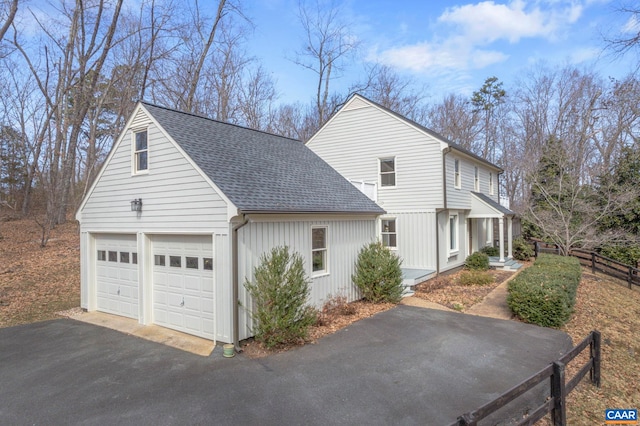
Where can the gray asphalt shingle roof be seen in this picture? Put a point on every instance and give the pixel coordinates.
(261, 172)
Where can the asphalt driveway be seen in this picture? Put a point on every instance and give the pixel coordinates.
(404, 366)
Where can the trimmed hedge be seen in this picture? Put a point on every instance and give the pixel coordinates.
(545, 293)
(490, 250)
(378, 274)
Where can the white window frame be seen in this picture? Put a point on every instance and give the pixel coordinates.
(324, 250)
(388, 232)
(491, 183)
(394, 172)
(453, 230)
(136, 152)
(457, 175)
(476, 179)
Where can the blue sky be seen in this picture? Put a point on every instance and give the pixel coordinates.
(445, 46)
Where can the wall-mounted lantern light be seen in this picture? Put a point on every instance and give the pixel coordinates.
(136, 205)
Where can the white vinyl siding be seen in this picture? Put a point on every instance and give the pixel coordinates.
(457, 174)
(355, 140)
(416, 236)
(174, 194)
(476, 179)
(345, 238)
(491, 183)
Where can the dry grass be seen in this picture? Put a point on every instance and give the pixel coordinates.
(36, 282)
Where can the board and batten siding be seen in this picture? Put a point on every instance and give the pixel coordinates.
(345, 238)
(360, 135)
(174, 194)
(447, 260)
(416, 236)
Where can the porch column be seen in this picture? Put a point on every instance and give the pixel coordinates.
(501, 231)
(510, 237)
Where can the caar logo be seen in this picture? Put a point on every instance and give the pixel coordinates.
(620, 416)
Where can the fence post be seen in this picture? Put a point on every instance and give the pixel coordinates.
(559, 411)
(467, 420)
(630, 276)
(595, 355)
(593, 263)
(536, 249)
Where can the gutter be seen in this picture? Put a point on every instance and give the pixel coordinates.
(236, 283)
(444, 199)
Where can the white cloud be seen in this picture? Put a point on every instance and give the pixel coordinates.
(468, 33)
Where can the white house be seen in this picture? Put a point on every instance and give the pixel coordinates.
(184, 207)
(440, 199)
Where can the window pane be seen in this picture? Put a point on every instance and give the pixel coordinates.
(191, 262)
(141, 141)
(102, 255)
(113, 256)
(175, 261)
(141, 159)
(318, 260)
(124, 257)
(318, 238)
(134, 258)
(387, 166)
(388, 226)
(207, 263)
(159, 260)
(388, 179)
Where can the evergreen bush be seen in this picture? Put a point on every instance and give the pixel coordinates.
(522, 250)
(378, 274)
(545, 293)
(629, 255)
(490, 250)
(477, 261)
(280, 291)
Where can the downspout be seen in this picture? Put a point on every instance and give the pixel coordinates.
(444, 199)
(236, 282)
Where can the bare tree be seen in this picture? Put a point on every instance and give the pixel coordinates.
(628, 39)
(455, 119)
(327, 44)
(8, 8)
(256, 100)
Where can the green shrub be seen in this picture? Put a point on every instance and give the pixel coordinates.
(475, 277)
(545, 293)
(477, 261)
(629, 255)
(280, 291)
(490, 250)
(522, 250)
(378, 274)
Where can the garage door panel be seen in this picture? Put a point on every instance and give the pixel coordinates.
(180, 299)
(116, 276)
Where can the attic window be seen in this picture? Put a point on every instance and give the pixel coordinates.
(141, 152)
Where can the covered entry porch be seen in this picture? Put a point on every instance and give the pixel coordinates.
(480, 230)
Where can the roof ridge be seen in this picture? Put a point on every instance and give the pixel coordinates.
(204, 117)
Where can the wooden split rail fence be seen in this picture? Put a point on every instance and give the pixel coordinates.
(559, 387)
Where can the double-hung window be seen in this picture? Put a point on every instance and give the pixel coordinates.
(453, 233)
(387, 172)
(319, 250)
(141, 152)
(389, 234)
(457, 180)
(476, 179)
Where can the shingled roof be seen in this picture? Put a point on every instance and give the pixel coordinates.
(261, 172)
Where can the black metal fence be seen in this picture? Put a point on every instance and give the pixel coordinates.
(559, 387)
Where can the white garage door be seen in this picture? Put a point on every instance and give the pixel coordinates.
(183, 284)
(117, 274)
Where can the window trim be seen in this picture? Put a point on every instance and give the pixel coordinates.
(135, 152)
(491, 184)
(394, 172)
(395, 232)
(476, 179)
(453, 249)
(457, 174)
(325, 249)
